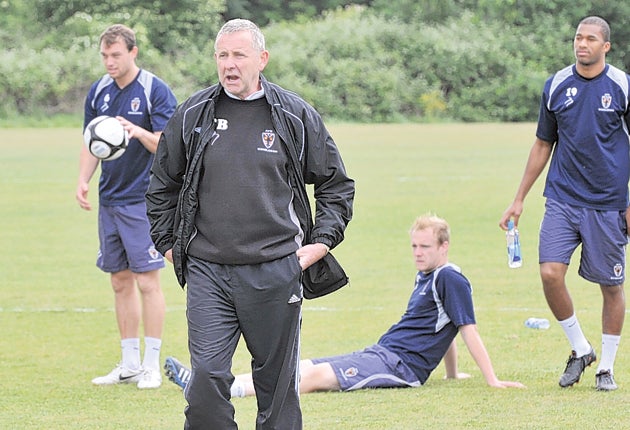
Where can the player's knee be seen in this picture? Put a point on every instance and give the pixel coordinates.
(148, 282)
(552, 274)
(318, 377)
(122, 281)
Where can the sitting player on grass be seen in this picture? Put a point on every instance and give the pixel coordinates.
(440, 307)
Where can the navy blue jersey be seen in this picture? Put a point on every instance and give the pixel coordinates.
(147, 102)
(587, 120)
(441, 301)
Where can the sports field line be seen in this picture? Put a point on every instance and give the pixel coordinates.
(59, 309)
(32, 310)
(432, 179)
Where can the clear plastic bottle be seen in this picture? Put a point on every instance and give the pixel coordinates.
(513, 246)
(537, 323)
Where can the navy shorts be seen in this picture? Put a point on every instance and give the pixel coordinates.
(602, 235)
(125, 241)
(373, 367)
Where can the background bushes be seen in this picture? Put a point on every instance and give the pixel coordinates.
(377, 61)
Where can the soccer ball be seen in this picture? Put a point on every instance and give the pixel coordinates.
(105, 138)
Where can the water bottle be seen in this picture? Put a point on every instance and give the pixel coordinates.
(513, 246)
(537, 323)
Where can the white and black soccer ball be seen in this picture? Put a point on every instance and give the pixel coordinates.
(105, 138)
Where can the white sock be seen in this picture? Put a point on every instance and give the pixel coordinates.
(152, 347)
(130, 353)
(237, 389)
(610, 344)
(573, 331)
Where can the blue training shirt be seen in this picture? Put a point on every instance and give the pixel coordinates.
(440, 302)
(587, 120)
(147, 102)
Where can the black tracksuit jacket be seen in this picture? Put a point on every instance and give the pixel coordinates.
(172, 194)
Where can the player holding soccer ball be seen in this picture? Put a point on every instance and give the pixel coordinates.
(143, 104)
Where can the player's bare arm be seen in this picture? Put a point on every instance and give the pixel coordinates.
(480, 355)
(450, 363)
(538, 157)
(148, 139)
(87, 166)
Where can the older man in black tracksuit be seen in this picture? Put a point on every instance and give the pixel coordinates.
(226, 208)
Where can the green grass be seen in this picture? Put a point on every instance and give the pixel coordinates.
(58, 326)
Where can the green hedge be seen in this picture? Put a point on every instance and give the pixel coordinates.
(351, 64)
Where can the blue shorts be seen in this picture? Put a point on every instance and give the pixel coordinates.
(125, 241)
(373, 367)
(602, 235)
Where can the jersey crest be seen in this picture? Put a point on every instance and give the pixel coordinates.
(268, 137)
(135, 104)
(606, 100)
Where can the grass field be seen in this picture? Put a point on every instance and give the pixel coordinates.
(59, 331)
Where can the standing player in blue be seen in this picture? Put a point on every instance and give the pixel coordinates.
(440, 307)
(583, 128)
(143, 104)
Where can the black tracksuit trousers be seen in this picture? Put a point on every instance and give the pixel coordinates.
(263, 303)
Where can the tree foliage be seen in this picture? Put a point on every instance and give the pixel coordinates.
(169, 25)
(265, 12)
(374, 61)
(539, 21)
(355, 74)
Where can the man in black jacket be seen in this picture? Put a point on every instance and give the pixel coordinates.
(227, 208)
